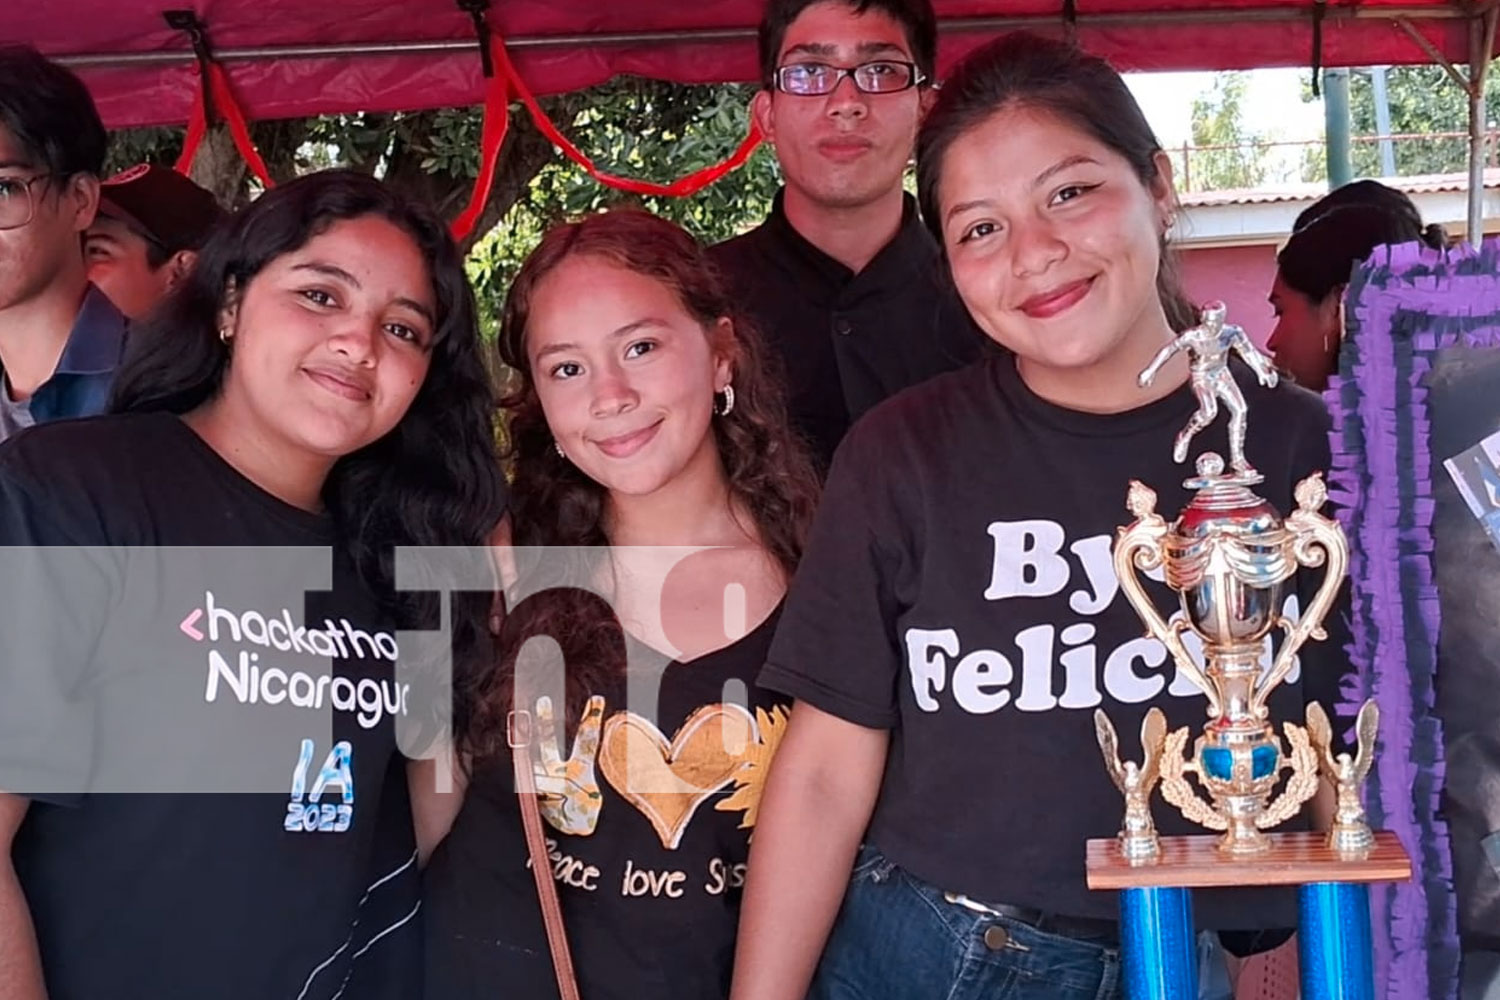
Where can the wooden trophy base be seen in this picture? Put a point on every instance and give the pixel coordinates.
(1195, 862)
(1158, 934)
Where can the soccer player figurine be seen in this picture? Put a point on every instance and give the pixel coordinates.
(1209, 345)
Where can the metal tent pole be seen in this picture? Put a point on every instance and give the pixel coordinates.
(1383, 121)
(1336, 127)
(1481, 50)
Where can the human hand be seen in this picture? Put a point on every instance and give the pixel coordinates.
(567, 788)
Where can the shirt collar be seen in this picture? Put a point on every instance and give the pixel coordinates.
(97, 339)
(911, 247)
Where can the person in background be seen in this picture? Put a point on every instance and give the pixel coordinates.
(146, 236)
(1330, 237)
(314, 396)
(60, 338)
(842, 278)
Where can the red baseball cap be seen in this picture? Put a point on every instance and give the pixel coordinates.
(166, 206)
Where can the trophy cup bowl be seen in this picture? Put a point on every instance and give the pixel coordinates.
(1228, 556)
(1240, 607)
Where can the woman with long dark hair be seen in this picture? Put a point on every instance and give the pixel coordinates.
(661, 505)
(956, 619)
(205, 794)
(1331, 237)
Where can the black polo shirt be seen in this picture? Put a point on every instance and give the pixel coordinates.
(846, 341)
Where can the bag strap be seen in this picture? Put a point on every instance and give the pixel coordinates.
(518, 735)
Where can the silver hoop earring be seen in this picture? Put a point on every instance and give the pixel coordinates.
(727, 406)
(224, 334)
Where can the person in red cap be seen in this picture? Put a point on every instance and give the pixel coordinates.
(151, 222)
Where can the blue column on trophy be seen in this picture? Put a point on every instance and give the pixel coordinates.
(1334, 941)
(1158, 944)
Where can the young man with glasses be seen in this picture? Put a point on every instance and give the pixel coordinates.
(60, 338)
(843, 279)
(151, 223)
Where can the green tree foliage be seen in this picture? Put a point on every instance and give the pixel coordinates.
(1234, 157)
(1315, 163)
(1424, 101)
(649, 131)
(633, 127)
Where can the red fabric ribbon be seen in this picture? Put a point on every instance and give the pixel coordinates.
(222, 97)
(507, 82)
(496, 122)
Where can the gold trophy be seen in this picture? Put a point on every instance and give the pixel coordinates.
(1230, 555)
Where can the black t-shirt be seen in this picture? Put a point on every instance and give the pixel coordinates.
(200, 705)
(958, 590)
(846, 341)
(649, 869)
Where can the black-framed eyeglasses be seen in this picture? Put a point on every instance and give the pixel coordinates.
(18, 201)
(812, 79)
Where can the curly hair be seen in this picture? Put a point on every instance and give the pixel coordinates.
(768, 473)
(433, 480)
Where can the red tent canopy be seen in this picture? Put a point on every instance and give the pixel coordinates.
(296, 57)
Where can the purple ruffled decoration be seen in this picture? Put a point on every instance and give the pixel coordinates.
(1400, 304)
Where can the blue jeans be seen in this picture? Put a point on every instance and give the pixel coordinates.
(898, 938)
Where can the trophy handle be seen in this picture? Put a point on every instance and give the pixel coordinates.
(1139, 547)
(1316, 540)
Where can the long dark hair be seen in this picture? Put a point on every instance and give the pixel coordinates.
(434, 480)
(1027, 70)
(769, 474)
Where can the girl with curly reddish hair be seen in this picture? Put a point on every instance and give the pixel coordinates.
(661, 507)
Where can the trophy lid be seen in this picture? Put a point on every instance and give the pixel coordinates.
(1225, 500)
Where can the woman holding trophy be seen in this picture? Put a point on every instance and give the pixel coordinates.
(956, 620)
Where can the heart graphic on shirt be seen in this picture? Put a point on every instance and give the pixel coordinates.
(667, 782)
